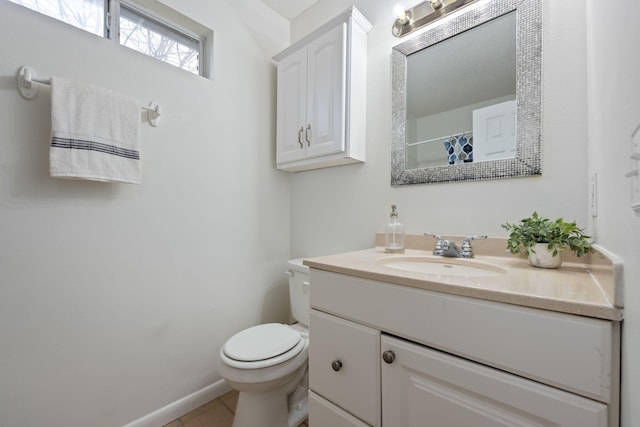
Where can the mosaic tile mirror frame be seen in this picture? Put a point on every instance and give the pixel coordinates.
(528, 65)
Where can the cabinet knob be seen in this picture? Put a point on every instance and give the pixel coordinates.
(388, 356)
(336, 365)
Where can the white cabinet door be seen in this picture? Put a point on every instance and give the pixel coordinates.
(423, 387)
(326, 93)
(291, 111)
(344, 365)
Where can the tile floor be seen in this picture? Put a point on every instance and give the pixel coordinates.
(217, 413)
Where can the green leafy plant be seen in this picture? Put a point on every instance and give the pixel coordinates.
(557, 234)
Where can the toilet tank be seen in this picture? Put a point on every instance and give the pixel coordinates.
(299, 290)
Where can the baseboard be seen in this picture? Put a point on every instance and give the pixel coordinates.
(182, 406)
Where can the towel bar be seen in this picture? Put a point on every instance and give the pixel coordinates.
(27, 76)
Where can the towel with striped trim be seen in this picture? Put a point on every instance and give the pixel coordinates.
(95, 133)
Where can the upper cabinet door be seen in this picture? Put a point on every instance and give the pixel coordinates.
(292, 96)
(326, 93)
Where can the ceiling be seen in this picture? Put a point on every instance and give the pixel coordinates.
(289, 8)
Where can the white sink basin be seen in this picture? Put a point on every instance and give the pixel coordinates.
(441, 266)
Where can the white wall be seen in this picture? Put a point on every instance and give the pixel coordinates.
(115, 298)
(614, 113)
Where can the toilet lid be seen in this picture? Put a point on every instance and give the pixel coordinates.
(261, 342)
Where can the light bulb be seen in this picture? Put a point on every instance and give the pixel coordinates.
(401, 13)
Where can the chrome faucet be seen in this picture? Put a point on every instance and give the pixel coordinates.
(448, 248)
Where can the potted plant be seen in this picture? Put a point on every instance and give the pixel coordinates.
(542, 240)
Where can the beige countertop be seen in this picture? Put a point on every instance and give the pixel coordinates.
(586, 287)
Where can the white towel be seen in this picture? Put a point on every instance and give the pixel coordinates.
(95, 133)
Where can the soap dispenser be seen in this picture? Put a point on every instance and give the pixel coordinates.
(394, 236)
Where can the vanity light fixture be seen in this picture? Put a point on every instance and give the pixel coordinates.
(421, 14)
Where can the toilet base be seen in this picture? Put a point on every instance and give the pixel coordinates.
(269, 412)
(279, 407)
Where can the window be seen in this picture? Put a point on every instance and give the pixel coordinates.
(86, 14)
(135, 27)
(148, 35)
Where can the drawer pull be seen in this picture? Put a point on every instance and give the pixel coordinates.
(388, 356)
(307, 135)
(336, 365)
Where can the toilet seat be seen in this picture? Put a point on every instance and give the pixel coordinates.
(262, 346)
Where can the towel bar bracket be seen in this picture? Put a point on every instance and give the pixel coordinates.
(153, 113)
(25, 78)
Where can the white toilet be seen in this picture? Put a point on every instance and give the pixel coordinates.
(267, 363)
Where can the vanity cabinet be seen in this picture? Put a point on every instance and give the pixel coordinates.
(410, 357)
(321, 96)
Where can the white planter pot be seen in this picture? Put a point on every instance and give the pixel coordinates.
(543, 257)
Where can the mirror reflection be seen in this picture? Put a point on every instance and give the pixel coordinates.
(461, 97)
(466, 96)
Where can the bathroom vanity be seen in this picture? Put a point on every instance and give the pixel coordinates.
(489, 341)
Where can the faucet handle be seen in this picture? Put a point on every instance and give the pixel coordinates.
(438, 248)
(437, 236)
(467, 250)
(470, 238)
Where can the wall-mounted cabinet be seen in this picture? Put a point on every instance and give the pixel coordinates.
(321, 113)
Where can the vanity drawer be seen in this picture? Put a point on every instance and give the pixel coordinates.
(324, 413)
(344, 365)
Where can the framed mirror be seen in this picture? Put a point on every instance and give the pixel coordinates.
(466, 97)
